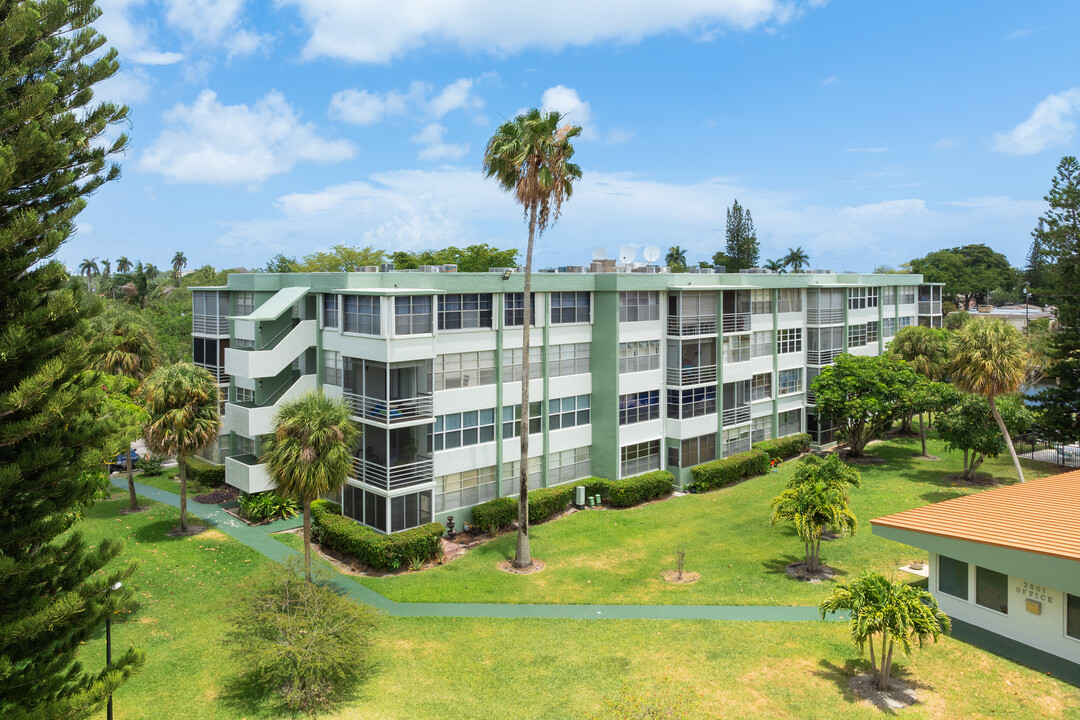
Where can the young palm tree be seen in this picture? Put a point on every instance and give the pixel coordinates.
(676, 257)
(990, 358)
(895, 612)
(123, 265)
(777, 265)
(926, 350)
(89, 268)
(811, 506)
(179, 262)
(530, 157)
(310, 453)
(182, 402)
(796, 259)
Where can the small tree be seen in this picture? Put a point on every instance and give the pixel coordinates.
(676, 258)
(811, 506)
(832, 471)
(300, 640)
(887, 613)
(864, 396)
(741, 248)
(926, 350)
(970, 427)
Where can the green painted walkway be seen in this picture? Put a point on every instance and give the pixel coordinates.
(258, 538)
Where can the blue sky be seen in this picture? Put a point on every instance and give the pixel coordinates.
(867, 132)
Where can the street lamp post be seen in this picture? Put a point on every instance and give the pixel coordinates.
(108, 647)
(1027, 303)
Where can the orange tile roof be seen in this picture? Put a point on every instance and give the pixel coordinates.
(1039, 516)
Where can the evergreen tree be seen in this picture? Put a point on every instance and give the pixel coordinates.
(54, 590)
(1058, 238)
(741, 244)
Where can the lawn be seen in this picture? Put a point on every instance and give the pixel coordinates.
(609, 556)
(478, 669)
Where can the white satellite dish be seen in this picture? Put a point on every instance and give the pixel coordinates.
(627, 253)
(652, 253)
(599, 253)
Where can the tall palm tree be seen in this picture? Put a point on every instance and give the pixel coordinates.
(926, 350)
(529, 156)
(310, 453)
(179, 262)
(676, 257)
(106, 269)
(151, 271)
(777, 265)
(895, 612)
(182, 402)
(796, 259)
(990, 358)
(123, 265)
(89, 268)
(811, 506)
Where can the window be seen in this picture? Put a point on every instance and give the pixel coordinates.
(514, 358)
(789, 340)
(1072, 616)
(569, 465)
(790, 301)
(205, 352)
(761, 343)
(736, 348)
(412, 315)
(569, 359)
(568, 412)
(458, 370)
(888, 295)
(694, 402)
(992, 589)
(861, 298)
(511, 420)
(695, 451)
(639, 356)
(639, 407)
(640, 458)
(952, 577)
(761, 302)
(463, 429)
(907, 294)
(888, 327)
(511, 475)
(760, 429)
(464, 311)
(364, 506)
(242, 344)
(514, 309)
(872, 331)
(905, 321)
(856, 335)
(761, 387)
(244, 395)
(790, 381)
(570, 307)
(409, 511)
(639, 306)
(245, 445)
(790, 423)
(329, 311)
(464, 489)
(736, 440)
(361, 314)
(332, 367)
(245, 303)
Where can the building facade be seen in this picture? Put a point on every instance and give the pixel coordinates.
(629, 371)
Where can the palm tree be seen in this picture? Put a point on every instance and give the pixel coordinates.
(179, 262)
(123, 265)
(182, 401)
(796, 259)
(926, 350)
(897, 612)
(676, 257)
(138, 288)
(89, 268)
(310, 453)
(151, 271)
(811, 506)
(106, 269)
(990, 358)
(775, 265)
(530, 157)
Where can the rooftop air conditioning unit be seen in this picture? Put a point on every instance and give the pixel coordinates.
(819, 271)
(368, 268)
(430, 268)
(386, 267)
(451, 267)
(753, 271)
(573, 269)
(499, 269)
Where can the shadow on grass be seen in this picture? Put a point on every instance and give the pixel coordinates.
(245, 695)
(939, 495)
(842, 677)
(155, 531)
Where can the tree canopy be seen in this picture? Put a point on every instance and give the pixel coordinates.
(969, 272)
(970, 428)
(741, 248)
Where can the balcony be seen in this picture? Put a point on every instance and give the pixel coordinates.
(691, 375)
(397, 476)
(209, 325)
(274, 355)
(736, 415)
(390, 411)
(217, 372)
(250, 420)
(824, 316)
(929, 307)
(691, 325)
(736, 322)
(823, 357)
(247, 474)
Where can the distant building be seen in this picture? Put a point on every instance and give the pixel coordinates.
(1016, 315)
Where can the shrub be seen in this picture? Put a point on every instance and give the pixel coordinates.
(267, 506)
(496, 514)
(151, 465)
(205, 473)
(382, 552)
(548, 502)
(785, 447)
(719, 473)
(640, 488)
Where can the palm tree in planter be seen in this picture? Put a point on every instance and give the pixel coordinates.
(811, 506)
(310, 452)
(182, 402)
(887, 613)
(530, 157)
(990, 358)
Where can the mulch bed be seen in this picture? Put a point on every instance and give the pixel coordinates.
(959, 480)
(899, 695)
(191, 530)
(223, 494)
(508, 566)
(688, 578)
(799, 571)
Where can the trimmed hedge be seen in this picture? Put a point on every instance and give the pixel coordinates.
(719, 473)
(382, 552)
(641, 488)
(205, 473)
(496, 514)
(785, 447)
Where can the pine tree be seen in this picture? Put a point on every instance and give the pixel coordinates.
(1058, 239)
(54, 589)
(741, 244)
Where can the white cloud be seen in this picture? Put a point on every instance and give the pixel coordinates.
(375, 31)
(204, 19)
(831, 80)
(210, 142)
(574, 109)
(431, 137)
(1017, 34)
(1051, 124)
(127, 87)
(133, 39)
(245, 42)
(948, 143)
(365, 107)
(455, 96)
(618, 135)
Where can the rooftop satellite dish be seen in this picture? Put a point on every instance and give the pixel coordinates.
(652, 253)
(627, 253)
(599, 253)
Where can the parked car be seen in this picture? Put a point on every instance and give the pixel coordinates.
(120, 463)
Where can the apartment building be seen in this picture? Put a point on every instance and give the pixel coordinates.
(629, 371)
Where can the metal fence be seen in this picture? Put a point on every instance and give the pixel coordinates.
(1030, 445)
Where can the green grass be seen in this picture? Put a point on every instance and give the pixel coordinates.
(167, 481)
(608, 556)
(554, 670)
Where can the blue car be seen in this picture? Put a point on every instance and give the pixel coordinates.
(121, 461)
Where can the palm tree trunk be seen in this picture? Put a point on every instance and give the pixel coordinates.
(806, 546)
(307, 539)
(523, 554)
(922, 432)
(873, 663)
(1008, 439)
(181, 462)
(131, 482)
(886, 667)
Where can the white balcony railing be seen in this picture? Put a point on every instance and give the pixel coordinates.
(389, 411)
(217, 371)
(394, 477)
(825, 316)
(823, 357)
(209, 325)
(691, 375)
(737, 322)
(692, 325)
(736, 415)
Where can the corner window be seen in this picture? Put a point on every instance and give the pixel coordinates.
(992, 589)
(412, 315)
(361, 314)
(952, 577)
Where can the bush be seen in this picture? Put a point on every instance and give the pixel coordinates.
(267, 506)
(382, 552)
(151, 465)
(641, 488)
(545, 503)
(496, 514)
(719, 473)
(205, 473)
(785, 447)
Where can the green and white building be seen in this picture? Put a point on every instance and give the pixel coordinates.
(631, 371)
